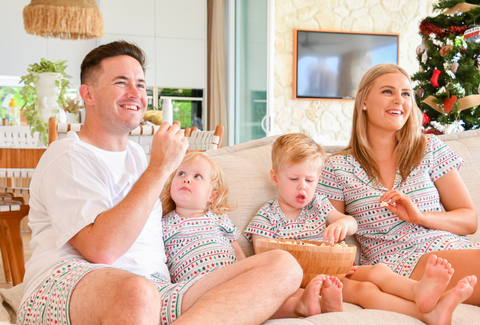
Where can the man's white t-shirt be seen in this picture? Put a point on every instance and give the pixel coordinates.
(73, 183)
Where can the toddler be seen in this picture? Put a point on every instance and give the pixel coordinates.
(200, 238)
(300, 212)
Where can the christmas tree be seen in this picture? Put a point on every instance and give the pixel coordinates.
(447, 85)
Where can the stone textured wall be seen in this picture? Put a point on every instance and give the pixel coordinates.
(331, 119)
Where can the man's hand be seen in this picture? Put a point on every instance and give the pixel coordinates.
(168, 148)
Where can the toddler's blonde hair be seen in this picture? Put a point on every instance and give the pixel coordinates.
(219, 185)
(296, 148)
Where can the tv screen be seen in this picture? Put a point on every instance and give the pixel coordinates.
(330, 65)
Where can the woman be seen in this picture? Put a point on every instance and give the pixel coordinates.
(389, 160)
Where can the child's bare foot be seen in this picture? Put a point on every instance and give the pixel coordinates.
(443, 311)
(331, 293)
(304, 303)
(308, 303)
(431, 287)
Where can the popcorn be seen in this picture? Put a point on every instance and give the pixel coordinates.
(384, 204)
(301, 243)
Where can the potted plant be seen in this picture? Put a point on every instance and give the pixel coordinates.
(44, 94)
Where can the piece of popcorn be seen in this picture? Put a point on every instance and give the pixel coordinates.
(383, 204)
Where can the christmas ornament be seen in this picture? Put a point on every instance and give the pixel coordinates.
(448, 103)
(455, 67)
(420, 93)
(438, 127)
(472, 34)
(434, 79)
(445, 49)
(455, 127)
(426, 119)
(420, 49)
(441, 91)
(424, 57)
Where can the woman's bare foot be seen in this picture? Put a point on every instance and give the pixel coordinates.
(308, 303)
(431, 287)
(331, 293)
(443, 312)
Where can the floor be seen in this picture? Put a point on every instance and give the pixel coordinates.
(26, 236)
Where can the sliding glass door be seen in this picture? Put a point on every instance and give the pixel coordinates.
(251, 31)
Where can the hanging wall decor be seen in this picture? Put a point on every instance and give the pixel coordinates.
(65, 19)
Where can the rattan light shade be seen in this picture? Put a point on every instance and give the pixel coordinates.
(66, 19)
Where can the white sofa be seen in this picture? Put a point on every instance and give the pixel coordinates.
(247, 169)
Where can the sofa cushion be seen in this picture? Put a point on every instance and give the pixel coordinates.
(247, 169)
(467, 145)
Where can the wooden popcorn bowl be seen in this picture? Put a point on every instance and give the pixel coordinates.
(314, 260)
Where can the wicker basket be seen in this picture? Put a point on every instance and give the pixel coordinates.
(314, 260)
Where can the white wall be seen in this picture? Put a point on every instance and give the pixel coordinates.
(172, 33)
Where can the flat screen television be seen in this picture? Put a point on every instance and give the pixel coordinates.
(330, 65)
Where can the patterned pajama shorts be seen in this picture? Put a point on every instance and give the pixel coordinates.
(49, 305)
(171, 296)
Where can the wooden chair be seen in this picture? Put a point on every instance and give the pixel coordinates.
(19, 156)
(204, 140)
(143, 135)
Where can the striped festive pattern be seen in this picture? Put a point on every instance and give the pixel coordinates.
(270, 221)
(385, 238)
(196, 246)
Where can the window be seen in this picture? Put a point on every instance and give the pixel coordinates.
(187, 104)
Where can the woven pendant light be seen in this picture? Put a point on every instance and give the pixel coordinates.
(65, 19)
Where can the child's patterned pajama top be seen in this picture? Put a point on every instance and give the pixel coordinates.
(270, 221)
(197, 246)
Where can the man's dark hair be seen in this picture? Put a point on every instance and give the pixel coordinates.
(93, 59)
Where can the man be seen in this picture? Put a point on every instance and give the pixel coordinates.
(97, 249)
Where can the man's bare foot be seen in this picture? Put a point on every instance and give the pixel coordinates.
(431, 287)
(443, 312)
(331, 293)
(309, 302)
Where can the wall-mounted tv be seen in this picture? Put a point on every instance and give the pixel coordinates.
(330, 65)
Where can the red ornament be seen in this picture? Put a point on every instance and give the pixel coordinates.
(426, 119)
(445, 49)
(434, 79)
(448, 103)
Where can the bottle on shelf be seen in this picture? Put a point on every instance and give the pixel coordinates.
(12, 112)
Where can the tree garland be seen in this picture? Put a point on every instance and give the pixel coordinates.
(428, 28)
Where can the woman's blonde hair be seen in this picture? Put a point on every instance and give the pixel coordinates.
(219, 185)
(410, 140)
(296, 148)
